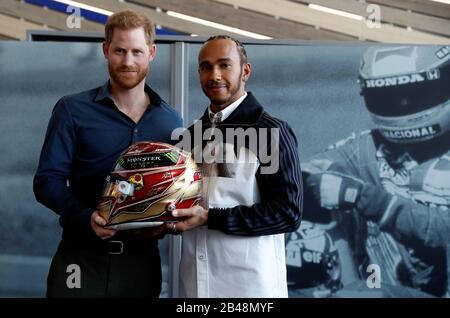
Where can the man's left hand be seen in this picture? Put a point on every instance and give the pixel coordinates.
(191, 218)
(335, 191)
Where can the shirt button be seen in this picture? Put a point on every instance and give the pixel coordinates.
(201, 257)
(136, 130)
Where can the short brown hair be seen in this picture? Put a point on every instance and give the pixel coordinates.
(128, 19)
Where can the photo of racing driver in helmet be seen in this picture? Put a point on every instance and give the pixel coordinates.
(395, 178)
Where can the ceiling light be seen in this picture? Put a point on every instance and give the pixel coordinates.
(85, 6)
(217, 25)
(442, 1)
(336, 12)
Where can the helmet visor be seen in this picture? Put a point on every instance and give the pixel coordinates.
(392, 97)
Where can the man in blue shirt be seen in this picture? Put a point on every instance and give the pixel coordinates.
(86, 134)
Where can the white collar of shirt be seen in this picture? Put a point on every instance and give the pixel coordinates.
(226, 112)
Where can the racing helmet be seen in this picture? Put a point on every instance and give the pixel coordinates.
(149, 181)
(312, 260)
(407, 91)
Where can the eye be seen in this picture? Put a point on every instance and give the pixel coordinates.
(225, 65)
(205, 67)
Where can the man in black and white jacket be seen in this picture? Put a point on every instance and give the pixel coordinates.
(235, 246)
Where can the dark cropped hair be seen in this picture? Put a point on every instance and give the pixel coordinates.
(240, 46)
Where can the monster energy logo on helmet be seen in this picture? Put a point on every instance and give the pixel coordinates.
(173, 156)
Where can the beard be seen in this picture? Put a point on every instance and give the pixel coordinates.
(223, 101)
(125, 81)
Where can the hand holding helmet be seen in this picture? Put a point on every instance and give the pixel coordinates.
(191, 218)
(98, 226)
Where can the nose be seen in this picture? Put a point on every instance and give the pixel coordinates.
(128, 59)
(216, 74)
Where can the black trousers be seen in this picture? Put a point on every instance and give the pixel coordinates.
(113, 270)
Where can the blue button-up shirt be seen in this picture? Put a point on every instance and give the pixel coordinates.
(85, 136)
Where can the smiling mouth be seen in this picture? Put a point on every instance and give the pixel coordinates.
(128, 73)
(218, 87)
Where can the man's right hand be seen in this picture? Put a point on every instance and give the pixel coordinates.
(97, 223)
(189, 219)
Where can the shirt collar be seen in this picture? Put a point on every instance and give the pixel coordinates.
(226, 112)
(104, 92)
